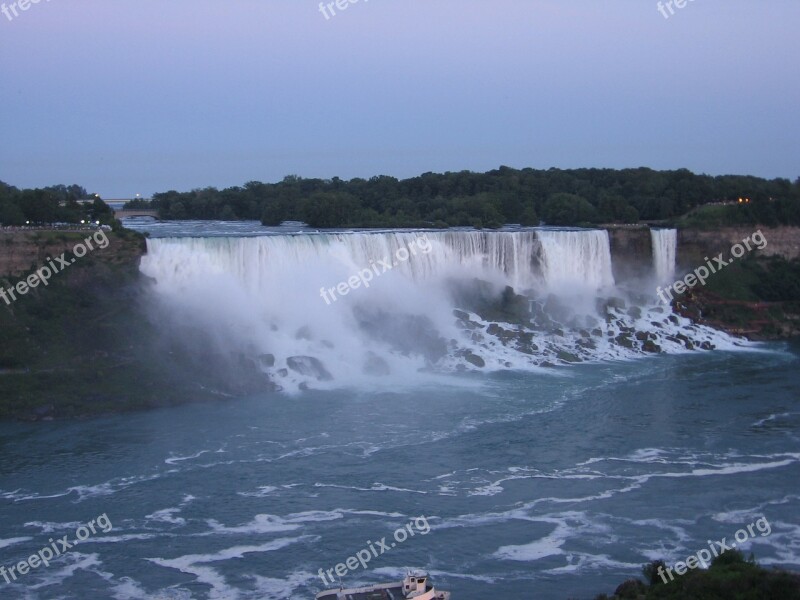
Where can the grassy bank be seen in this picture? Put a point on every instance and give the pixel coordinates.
(755, 297)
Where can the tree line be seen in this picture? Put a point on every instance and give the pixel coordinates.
(501, 196)
(465, 198)
(54, 204)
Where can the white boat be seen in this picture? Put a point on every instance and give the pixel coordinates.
(416, 586)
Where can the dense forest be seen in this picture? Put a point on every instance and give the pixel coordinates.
(505, 195)
(55, 204)
(492, 199)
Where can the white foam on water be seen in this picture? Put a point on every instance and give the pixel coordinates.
(196, 564)
(116, 539)
(57, 574)
(265, 523)
(5, 543)
(176, 459)
(376, 487)
(53, 527)
(263, 492)
(748, 515)
(373, 513)
(167, 515)
(578, 562)
(128, 589)
(20, 496)
(567, 526)
(269, 588)
(260, 524)
(772, 418)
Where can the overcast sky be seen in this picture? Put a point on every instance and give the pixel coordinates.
(140, 96)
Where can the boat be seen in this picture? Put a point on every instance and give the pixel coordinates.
(416, 585)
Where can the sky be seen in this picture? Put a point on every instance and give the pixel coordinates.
(143, 96)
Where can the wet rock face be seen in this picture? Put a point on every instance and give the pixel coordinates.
(568, 357)
(651, 346)
(309, 367)
(464, 321)
(624, 340)
(475, 360)
(461, 315)
(555, 333)
(631, 252)
(694, 244)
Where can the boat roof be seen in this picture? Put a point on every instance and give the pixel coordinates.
(389, 591)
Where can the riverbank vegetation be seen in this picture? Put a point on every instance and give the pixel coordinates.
(758, 297)
(730, 577)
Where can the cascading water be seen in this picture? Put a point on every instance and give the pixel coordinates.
(579, 259)
(344, 308)
(665, 243)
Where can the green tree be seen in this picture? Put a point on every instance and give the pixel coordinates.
(529, 217)
(11, 214)
(329, 209)
(177, 211)
(568, 209)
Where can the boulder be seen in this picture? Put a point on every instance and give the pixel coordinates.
(475, 360)
(568, 357)
(651, 346)
(309, 366)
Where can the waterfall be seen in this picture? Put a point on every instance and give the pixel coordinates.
(342, 308)
(576, 258)
(549, 258)
(664, 242)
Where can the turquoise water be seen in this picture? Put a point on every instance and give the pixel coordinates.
(555, 485)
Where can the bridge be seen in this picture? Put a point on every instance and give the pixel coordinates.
(122, 213)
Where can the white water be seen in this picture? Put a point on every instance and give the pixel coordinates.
(573, 259)
(665, 244)
(263, 295)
